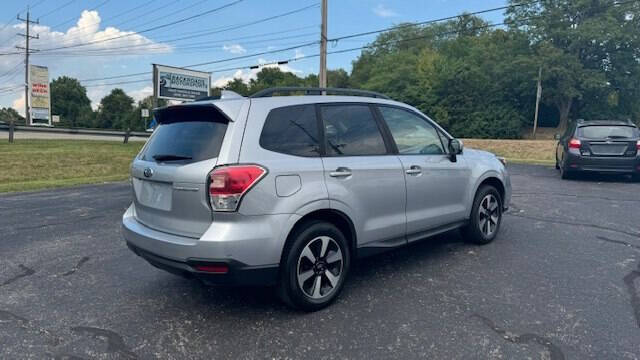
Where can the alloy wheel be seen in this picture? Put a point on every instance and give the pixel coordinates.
(489, 215)
(319, 267)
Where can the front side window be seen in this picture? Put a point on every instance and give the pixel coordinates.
(413, 135)
(291, 130)
(351, 130)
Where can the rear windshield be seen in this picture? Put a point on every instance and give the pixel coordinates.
(187, 141)
(607, 132)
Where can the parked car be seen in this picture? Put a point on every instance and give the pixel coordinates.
(604, 146)
(290, 190)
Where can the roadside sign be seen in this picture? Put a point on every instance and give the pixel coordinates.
(174, 83)
(145, 113)
(55, 118)
(39, 95)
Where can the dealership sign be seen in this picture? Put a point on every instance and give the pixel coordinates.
(39, 95)
(180, 84)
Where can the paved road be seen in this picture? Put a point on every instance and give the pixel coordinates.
(562, 281)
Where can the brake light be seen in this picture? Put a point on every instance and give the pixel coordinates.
(638, 145)
(574, 144)
(229, 184)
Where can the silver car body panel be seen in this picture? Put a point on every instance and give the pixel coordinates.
(386, 206)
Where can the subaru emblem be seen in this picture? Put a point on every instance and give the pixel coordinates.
(148, 172)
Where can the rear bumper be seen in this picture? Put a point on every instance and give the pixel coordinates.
(623, 165)
(250, 246)
(238, 273)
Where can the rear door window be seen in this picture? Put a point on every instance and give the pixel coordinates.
(607, 132)
(292, 130)
(351, 130)
(186, 136)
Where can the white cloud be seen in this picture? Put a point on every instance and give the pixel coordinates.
(298, 54)
(234, 49)
(383, 11)
(87, 29)
(140, 94)
(18, 104)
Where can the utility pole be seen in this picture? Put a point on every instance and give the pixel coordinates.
(322, 75)
(538, 96)
(28, 22)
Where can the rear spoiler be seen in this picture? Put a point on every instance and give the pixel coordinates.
(196, 112)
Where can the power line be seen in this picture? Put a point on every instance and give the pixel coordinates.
(218, 30)
(56, 9)
(304, 57)
(149, 29)
(432, 21)
(184, 49)
(15, 67)
(73, 18)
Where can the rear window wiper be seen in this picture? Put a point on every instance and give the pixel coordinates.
(617, 137)
(170, 157)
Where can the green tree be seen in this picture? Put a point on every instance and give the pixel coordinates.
(69, 100)
(10, 114)
(588, 50)
(115, 111)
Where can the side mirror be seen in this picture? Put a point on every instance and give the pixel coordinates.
(455, 148)
(556, 136)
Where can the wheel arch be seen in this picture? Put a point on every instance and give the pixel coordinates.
(492, 180)
(332, 216)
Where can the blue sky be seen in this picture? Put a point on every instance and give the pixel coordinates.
(73, 22)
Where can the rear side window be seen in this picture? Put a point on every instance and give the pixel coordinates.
(351, 130)
(607, 132)
(189, 135)
(291, 130)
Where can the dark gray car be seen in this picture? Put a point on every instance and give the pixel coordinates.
(605, 146)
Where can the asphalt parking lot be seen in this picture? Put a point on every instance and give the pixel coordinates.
(561, 281)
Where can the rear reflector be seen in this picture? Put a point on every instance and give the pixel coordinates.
(213, 268)
(574, 144)
(229, 184)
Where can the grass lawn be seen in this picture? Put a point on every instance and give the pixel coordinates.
(518, 151)
(39, 164)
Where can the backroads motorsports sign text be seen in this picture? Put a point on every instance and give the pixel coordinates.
(180, 84)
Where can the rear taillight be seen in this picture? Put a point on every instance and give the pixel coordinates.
(638, 145)
(229, 184)
(574, 144)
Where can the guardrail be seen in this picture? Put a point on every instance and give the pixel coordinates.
(97, 132)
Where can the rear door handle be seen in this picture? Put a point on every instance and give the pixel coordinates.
(414, 170)
(340, 172)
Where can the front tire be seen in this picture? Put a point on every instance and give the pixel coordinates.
(314, 267)
(486, 216)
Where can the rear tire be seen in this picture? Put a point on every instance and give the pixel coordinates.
(314, 267)
(635, 177)
(486, 216)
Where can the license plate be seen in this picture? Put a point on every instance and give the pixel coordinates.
(153, 194)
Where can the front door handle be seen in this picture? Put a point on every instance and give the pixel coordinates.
(414, 170)
(340, 172)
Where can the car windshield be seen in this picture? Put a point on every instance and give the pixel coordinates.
(607, 132)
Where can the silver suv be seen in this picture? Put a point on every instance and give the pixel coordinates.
(290, 190)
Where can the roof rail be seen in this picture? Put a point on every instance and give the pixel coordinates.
(317, 91)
